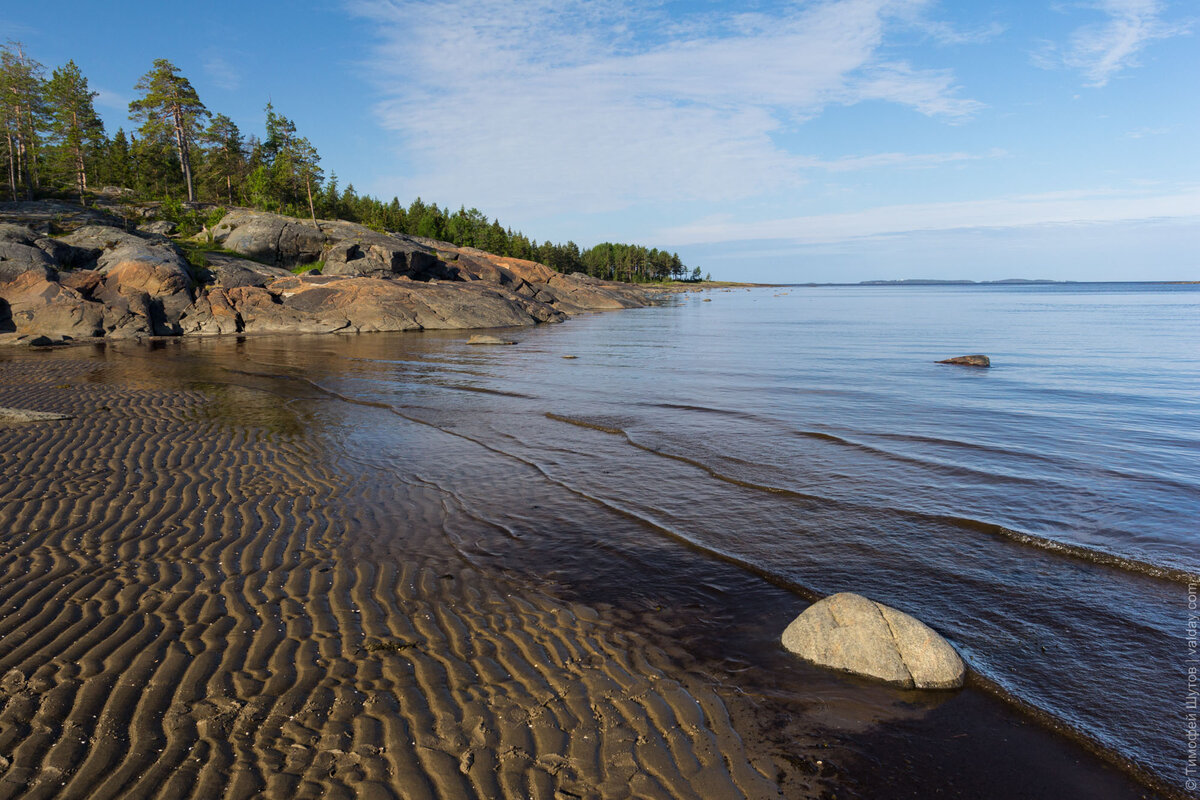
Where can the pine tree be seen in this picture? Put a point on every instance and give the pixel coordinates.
(294, 161)
(170, 109)
(77, 130)
(117, 164)
(22, 115)
(226, 157)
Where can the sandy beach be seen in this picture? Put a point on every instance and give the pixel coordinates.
(197, 609)
(208, 590)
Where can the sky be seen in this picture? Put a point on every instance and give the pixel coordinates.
(833, 141)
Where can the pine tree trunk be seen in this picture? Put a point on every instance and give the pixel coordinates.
(184, 161)
(31, 170)
(12, 165)
(311, 209)
(229, 187)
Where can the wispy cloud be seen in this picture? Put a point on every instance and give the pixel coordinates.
(112, 100)
(594, 105)
(1102, 49)
(1142, 133)
(222, 73)
(15, 30)
(1075, 207)
(898, 160)
(945, 34)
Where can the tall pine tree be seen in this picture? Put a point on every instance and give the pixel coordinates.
(22, 115)
(225, 160)
(76, 128)
(169, 108)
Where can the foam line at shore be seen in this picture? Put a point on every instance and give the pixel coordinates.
(1067, 549)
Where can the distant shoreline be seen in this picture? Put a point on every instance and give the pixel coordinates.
(1005, 282)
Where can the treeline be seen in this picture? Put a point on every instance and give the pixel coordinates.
(55, 144)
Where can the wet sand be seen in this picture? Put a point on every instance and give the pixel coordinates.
(205, 593)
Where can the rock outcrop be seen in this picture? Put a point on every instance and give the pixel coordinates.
(849, 633)
(104, 280)
(968, 361)
(269, 238)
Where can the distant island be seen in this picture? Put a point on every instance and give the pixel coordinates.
(961, 282)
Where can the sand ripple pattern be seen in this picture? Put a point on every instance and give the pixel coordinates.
(194, 608)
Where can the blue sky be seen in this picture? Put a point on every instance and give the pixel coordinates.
(778, 141)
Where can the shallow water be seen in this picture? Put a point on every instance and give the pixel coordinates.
(1041, 513)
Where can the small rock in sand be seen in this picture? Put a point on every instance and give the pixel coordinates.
(25, 415)
(849, 633)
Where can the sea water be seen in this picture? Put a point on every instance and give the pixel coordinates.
(1042, 513)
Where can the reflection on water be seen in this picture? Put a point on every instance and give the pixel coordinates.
(241, 406)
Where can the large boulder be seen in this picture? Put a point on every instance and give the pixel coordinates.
(849, 633)
(383, 256)
(212, 314)
(21, 234)
(325, 304)
(98, 238)
(269, 238)
(31, 304)
(17, 259)
(152, 276)
(53, 216)
(591, 294)
(230, 272)
(264, 311)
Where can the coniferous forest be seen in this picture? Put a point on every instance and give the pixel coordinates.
(179, 152)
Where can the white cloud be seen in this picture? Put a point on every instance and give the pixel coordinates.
(1142, 133)
(113, 100)
(222, 73)
(900, 160)
(1068, 207)
(537, 106)
(1100, 50)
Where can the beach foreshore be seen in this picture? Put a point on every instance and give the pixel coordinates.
(208, 590)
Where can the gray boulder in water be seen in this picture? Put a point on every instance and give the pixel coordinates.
(483, 338)
(849, 633)
(968, 361)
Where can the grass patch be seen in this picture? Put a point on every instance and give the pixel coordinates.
(195, 251)
(306, 268)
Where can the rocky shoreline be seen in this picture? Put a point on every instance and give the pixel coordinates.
(70, 274)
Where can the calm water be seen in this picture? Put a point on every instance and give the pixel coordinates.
(1042, 514)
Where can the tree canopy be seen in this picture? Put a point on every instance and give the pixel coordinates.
(54, 143)
(169, 108)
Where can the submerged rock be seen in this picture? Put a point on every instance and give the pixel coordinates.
(483, 338)
(968, 361)
(849, 633)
